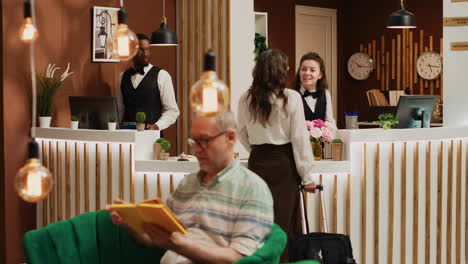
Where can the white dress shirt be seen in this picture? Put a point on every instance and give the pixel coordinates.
(311, 103)
(285, 127)
(170, 110)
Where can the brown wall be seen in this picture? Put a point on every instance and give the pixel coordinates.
(358, 21)
(65, 28)
(366, 24)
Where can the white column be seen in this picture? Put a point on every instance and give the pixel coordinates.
(242, 60)
(455, 68)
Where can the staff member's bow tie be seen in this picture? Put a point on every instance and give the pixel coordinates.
(138, 69)
(313, 94)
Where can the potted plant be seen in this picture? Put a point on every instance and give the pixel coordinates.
(140, 118)
(165, 146)
(260, 45)
(48, 87)
(157, 148)
(337, 149)
(74, 122)
(386, 120)
(111, 122)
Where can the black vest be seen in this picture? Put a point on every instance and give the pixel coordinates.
(320, 108)
(145, 98)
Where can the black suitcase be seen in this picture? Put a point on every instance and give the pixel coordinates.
(333, 248)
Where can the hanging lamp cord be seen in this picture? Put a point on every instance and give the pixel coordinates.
(33, 75)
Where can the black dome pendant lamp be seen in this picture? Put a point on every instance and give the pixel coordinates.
(163, 36)
(401, 18)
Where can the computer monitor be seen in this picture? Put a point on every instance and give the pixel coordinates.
(415, 111)
(94, 111)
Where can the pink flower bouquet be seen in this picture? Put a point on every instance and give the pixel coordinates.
(320, 131)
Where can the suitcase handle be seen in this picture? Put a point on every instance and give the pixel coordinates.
(319, 188)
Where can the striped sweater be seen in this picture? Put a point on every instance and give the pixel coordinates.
(235, 210)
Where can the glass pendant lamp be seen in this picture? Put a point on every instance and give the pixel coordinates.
(28, 31)
(209, 95)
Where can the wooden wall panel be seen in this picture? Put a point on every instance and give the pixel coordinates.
(198, 34)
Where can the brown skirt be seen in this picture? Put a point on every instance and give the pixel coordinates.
(275, 164)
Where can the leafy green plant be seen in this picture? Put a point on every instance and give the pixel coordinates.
(74, 118)
(159, 140)
(140, 117)
(337, 140)
(165, 145)
(260, 45)
(111, 118)
(48, 87)
(386, 120)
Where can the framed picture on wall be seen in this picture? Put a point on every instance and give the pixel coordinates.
(104, 26)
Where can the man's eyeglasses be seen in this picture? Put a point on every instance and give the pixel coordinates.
(203, 142)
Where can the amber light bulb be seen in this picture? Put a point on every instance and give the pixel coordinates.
(209, 95)
(124, 43)
(33, 182)
(28, 32)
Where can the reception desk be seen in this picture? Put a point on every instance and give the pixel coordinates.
(401, 193)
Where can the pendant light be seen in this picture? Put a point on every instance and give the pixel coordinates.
(28, 31)
(163, 36)
(209, 95)
(124, 44)
(401, 18)
(33, 182)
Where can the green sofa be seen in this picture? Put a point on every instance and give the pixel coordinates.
(92, 238)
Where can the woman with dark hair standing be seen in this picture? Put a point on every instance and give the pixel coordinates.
(272, 128)
(311, 82)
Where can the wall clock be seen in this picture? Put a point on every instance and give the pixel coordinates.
(429, 65)
(360, 66)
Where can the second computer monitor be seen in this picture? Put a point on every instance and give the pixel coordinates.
(94, 111)
(415, 111)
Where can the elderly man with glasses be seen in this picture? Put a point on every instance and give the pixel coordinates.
(226, 208)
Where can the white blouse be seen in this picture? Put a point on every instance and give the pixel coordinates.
(170, 111)
(311, 103)
(285, 127)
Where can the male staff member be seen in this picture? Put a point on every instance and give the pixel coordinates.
(147, 88)
(226, 208)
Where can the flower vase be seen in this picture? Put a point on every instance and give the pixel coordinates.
(316, 149)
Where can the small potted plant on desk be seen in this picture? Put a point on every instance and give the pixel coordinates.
(140, 118)
(165, 146)
(111, 122)
(337, 149)
(386, 120)
(74, 122)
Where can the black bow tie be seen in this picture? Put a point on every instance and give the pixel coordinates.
(138, 69)
(313, 94)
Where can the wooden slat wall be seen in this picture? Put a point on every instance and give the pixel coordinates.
(403, 52)
(198, 33)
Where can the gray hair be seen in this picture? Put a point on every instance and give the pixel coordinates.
(226, 121)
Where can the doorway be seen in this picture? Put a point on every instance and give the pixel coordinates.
(316, 31)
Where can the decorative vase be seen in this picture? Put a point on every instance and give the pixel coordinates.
(44, 121)
(111, 125)
(157, 151)
(316, 149)
(74, 124)
(140, 126)
(164, 155)
(337, 151)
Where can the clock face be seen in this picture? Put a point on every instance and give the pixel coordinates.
(360, 66)
(429, 65)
